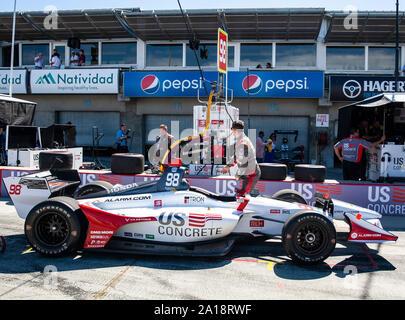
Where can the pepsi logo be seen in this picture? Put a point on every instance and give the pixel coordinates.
(150, 84)
(252, 84)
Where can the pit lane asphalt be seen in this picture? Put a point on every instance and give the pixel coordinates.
(253, 270)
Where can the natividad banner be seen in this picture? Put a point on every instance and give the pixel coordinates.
(74, 81)
(19, 81)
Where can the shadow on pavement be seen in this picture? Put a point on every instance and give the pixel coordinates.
(16, 259)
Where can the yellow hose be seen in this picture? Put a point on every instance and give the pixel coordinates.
(191, 137)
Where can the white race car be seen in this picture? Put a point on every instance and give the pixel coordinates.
(168, 216)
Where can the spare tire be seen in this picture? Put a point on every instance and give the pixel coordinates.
(55, 159)
(273, 171)
(127, 163)
(310, 172)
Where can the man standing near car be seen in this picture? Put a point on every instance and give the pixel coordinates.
(245, 158)
(352, 150)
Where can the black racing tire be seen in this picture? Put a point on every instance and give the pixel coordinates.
(93, 187)
(273, 171)
(289, 195)
(127, 163)
(56, 227)
(2, 244)
(310, 172)
(308, 237)
(49, 159)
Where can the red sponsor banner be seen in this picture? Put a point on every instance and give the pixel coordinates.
(222, 51)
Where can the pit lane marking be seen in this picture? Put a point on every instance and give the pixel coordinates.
(102, 293)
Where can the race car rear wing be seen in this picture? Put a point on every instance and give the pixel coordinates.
(27, 191)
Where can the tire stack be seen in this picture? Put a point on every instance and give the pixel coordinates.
(273, 171)
(310, 173)
(127, 163)
(55, 159)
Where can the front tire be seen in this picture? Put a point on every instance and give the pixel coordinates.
(308, 237)
(54, 227)
(92, 188)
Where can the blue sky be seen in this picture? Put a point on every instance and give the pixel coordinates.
(7, 5)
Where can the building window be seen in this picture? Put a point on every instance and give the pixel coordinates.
(207, 55)
(5, 56)
(90, 53)
(253, 55)
(164, 55)
(381, 58)
(296, 55)
(118, 53)
(30, 51)
(345, 58)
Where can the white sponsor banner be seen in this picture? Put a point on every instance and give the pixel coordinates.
(19, 81)
(74, 81)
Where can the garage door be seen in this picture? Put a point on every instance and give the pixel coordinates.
(179, 126)
(108, 123)
(270, 124)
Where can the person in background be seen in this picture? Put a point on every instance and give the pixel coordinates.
(259, 66)
(248, 172)
(269, 149)
(260, 145)
(164, 141)
(121, 139)
(3, 154)
(268, 65)
(352, 150)
(39, 61)
(376, 130)
(70, 135)
(55, 61)
(284, 149)
(74, 59)
(82, 58)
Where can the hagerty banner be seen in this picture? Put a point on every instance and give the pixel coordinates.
(356, 88)
(385, 199)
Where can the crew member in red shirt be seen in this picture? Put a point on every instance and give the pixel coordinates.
(351, 149)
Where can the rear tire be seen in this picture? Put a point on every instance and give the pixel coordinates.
(289, 195)
(55, 227)
(308, 237)
(93, 187)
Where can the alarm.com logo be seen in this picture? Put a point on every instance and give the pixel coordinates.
(150, 84)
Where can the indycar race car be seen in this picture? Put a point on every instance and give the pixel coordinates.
(170, 217)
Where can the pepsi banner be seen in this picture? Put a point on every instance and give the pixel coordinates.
(261, 84)
(357, 88)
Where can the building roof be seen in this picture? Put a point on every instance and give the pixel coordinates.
(241, 24)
